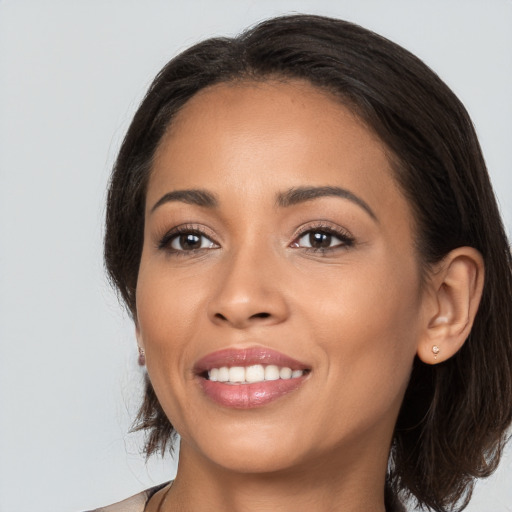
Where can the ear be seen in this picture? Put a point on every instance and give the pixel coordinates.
(451, 302)
(138, 335)
(140, 344)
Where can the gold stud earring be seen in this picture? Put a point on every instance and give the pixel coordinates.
(435, 351)
(142, 357)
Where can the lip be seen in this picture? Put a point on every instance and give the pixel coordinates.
(248, 396)
(246, 357)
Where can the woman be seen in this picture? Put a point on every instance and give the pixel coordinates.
(302, 227)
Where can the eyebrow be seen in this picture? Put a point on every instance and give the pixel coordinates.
(291, 197)
(193, 196)
(298, 195)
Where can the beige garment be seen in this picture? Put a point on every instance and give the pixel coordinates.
(136, 503)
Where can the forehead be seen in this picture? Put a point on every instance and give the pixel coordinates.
(289, 109)
(276, 135)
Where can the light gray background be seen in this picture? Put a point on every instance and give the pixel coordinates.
(71, 76)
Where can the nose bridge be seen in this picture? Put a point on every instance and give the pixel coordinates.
(247, 291)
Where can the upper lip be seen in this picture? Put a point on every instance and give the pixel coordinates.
(247, 357)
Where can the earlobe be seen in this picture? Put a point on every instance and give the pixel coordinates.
(142, 357)
(455, 289)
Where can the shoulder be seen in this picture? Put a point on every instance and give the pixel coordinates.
(135, 503)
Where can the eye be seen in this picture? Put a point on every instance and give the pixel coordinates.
(322, 239)
(185, 239)
(318, 240)
(190, 242)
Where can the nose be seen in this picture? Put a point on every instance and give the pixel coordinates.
(249, 291)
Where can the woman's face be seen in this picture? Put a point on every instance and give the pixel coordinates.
(277, 242)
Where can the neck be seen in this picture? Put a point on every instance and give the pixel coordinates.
(353, 485)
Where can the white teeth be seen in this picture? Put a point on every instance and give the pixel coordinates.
(255, 373)
(285, 373)
(250, 374)
(271, 372)
(237, 374)
(223, 375)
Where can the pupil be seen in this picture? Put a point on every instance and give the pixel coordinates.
(190, 241)
(319, 240)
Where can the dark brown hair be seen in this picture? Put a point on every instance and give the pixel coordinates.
(453, 421)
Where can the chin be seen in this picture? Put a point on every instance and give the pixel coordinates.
(249, 450)
(255, 460)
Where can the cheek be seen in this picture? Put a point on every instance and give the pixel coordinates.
(165, 327)
(164, 324)
(379, 293)
(367, 322)
(166, 305)
(366, 338)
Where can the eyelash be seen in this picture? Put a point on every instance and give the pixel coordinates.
(187, 229)
(346, 240)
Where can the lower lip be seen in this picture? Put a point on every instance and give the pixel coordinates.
(248, 396)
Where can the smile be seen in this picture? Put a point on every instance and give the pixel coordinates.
(251, 374)
(248, 378)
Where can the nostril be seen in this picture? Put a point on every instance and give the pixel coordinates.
(241, 319)
(260, 315)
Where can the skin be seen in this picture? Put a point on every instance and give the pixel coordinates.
(356, 313)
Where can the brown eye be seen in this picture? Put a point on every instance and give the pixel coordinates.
(190, 242)
(318, 239)
(321, 239)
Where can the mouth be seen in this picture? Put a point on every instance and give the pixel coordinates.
(252, 374)
(248, 378)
